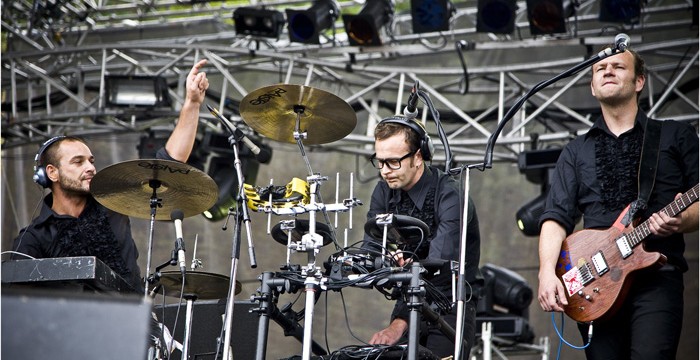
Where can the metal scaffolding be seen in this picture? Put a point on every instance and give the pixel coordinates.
(58, 53)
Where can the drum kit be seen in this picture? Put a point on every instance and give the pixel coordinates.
(168, 190)
(155, 189)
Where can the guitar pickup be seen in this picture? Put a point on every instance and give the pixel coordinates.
(599, 263)
(624, 247)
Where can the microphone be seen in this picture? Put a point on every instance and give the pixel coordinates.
(262, 155)
(411, 110)
(176, 216)
(622, 42)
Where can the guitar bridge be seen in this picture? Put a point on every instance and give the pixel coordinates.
(601, 266)
(624, 247)
(586, 274)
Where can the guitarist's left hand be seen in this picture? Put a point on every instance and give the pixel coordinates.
(663, 225)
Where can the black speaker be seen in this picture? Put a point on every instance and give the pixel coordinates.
(57, 325)
(207, 320)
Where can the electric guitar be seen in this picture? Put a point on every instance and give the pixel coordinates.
(595, 265)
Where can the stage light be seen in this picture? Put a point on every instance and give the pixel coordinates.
(505, 291)
(504, 303)
(528, 216)
(431, 15)
(258, 22)
(305, 26)
(495, 16)
(546, 17)
(536, 165)
(136, 91)
(363, 28)
(620, 11)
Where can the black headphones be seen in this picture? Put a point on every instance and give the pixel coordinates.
(426, 145)
(39, 168)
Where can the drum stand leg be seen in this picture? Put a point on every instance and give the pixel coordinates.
(416, 305)
(188, 327)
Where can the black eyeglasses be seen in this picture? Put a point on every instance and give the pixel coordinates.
(393, 164)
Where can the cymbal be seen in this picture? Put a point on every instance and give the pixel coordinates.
(126, 188)
(198, 284)
(301, 227)
(272, 111)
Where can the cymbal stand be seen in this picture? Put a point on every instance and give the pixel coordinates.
(155, 203)
(188, 325)
(310, 242)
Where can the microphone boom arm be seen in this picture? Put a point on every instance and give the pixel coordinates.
(488, 158)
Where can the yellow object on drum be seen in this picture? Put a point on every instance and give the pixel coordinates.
(290, 195)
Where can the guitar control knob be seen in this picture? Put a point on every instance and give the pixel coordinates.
(587, 297)
(596, 290)
(580, 293)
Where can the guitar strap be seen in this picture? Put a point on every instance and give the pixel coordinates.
(647, 168)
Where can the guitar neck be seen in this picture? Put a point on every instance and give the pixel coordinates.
(637, 235)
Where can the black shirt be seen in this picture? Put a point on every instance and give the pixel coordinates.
(51, 235)
(437, 198)
(596, 175)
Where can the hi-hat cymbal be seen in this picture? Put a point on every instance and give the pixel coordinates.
(198, 284)
(272, 111)
(127, 188)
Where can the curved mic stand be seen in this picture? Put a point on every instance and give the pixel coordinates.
(241, 215)
(488, 160)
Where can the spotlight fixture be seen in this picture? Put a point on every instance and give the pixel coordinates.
(528, 216)
(495, 16)
(536, 165)
(546, 17)
(506, 289)
(258, 22)
(136, 91)
(431, 15)
(363, 28)
(620, 11)
(305, 26)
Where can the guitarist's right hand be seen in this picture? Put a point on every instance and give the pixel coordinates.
(551, 294)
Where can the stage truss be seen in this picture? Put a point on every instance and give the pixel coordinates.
(53, 71)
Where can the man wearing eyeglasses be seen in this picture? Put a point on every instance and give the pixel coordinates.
(411, 187)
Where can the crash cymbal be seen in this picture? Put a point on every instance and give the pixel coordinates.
(272, 112)
(126, 188)
(198, 284)
(301, 227)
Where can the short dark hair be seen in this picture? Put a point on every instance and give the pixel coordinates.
(50, 154)
(385, 130)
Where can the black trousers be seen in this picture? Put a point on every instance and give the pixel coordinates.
(647, 326)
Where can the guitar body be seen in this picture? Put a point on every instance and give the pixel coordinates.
(593, 295)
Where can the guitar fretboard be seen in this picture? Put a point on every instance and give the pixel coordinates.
(642, 231)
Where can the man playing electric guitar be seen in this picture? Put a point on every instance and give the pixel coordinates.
(597, 175)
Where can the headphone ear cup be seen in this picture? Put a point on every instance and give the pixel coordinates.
(40, 177)
(427, 148)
